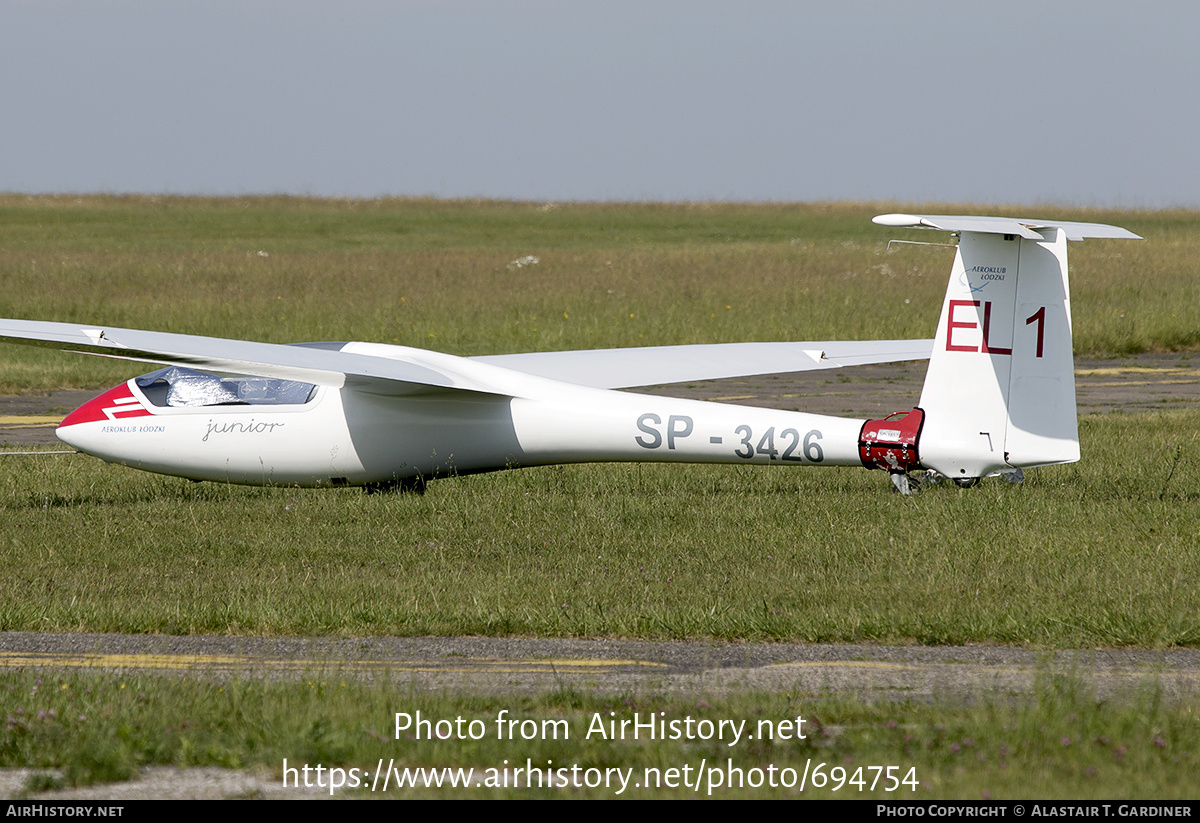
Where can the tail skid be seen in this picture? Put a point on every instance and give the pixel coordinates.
(1000, 391)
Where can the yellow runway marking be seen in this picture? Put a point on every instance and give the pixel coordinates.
(232, 662)
(26, 420)
(1145, 383)
(1109, 372)
(847, 664)
(994, 669)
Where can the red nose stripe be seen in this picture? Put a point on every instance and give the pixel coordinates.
(115, 404)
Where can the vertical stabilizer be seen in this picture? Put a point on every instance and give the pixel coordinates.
(965, 397)
(1000, 390)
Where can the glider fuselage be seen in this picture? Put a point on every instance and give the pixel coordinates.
(343, 436)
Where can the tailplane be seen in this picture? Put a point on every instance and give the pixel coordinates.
(1000, 390)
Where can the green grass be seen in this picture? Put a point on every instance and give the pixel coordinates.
(1099, 553)
(437, 274)
(81, 728)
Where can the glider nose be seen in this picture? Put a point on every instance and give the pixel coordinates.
(81, 426)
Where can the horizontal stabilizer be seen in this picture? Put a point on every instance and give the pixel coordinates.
(1028, 229)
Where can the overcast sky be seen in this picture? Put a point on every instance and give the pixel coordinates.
(1078, 102)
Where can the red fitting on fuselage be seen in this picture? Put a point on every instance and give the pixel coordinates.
(891, 443)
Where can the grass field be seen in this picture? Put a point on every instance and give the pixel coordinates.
(442, 275)
(1098, 554)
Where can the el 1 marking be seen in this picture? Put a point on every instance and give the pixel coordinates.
(984, 347)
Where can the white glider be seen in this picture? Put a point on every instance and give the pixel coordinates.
(999, 393)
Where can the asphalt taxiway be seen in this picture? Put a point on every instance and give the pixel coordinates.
(513, 665)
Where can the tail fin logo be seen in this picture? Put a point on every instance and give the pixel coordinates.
(987, 274)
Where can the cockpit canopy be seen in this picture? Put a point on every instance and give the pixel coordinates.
(175, 386)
